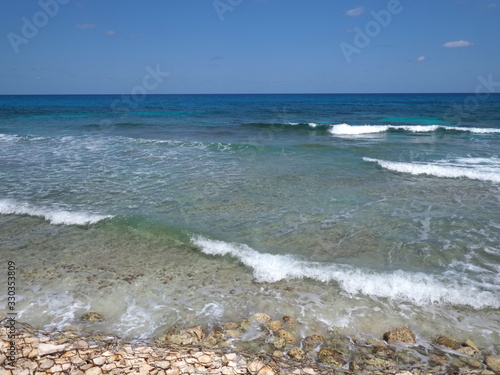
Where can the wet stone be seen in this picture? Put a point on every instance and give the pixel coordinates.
(92, 317)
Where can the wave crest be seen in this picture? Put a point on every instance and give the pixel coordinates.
(54, 216)
(474, 168)
(346, 129)
(415, 287)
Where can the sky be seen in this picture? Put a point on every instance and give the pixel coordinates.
(248, 46)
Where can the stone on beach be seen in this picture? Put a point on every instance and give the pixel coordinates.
(493, 362)
(187, 336)
(45, 349)
(470, 344)
(448, 342)
(400, 334)
(330, 357)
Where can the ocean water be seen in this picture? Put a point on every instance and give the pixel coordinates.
(357, 212)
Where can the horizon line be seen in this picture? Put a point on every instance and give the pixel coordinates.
(273, 93)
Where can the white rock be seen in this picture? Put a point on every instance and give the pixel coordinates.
(44, 349)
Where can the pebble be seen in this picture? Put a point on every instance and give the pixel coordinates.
(39, 354)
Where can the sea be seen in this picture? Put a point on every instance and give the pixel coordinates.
(359, 212)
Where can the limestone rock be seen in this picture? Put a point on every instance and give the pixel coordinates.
(261, 318)
(290, 322)
(471, 362)
(230, 326)
(92, 317)
(436, 360)
(93, 371)
(45, 349)
(467, 351)
(380, 363)
(470, 344)
(330, 357)
(400, 334)
(279, 342)
(353, 366)
(448, 342)
(287, 336)
(215, 337)
(259, 368)
(46, 364)
(297, 354)
(275, 325)
(245, 323)
(493, 362)
(233, 333)
(312, 342)
(187, 336)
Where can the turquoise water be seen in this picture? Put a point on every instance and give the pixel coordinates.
(363, 212)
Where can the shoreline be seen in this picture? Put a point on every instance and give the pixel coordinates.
(191, 350)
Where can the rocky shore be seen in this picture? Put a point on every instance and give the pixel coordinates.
(258, 345)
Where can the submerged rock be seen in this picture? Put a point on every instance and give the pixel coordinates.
(187, 336)
(312, 342)
(437, 360)
(297, 354)
(373, 361)
(275, 325)
(245, 324)
(92, 317)
(290, 323)
(287, 336)
(260, 318)
(470, 344)
(400, 334)
(215, 337)
(493, 362)
(230, 325)
(467, 351)
(448, 342)
(330, 357)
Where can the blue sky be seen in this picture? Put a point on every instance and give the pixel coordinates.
(247, 46)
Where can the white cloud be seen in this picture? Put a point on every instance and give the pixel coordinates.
(110, 33)
(85, 26)
(458, 43)
(421, 58)
(355, 11)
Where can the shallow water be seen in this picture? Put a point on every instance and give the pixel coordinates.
(205, 209)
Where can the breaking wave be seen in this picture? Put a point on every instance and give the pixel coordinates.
(54, 216)
(484, 169)
(415, 287)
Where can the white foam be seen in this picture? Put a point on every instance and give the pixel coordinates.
(418, 288)
(449, 169)
(346, 129)
(54, 216)
(15, 137)
(57, 309)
